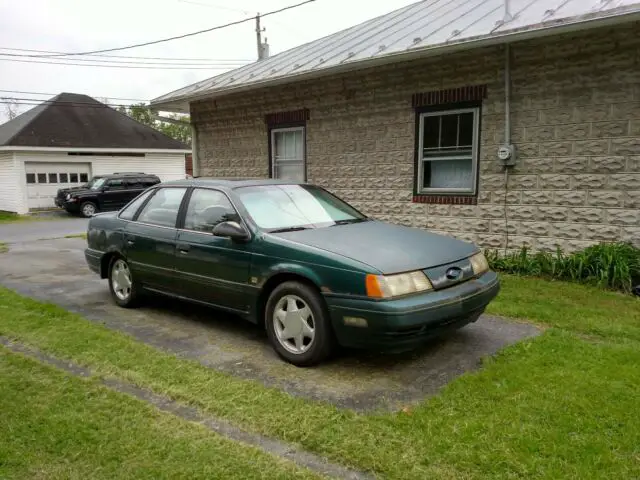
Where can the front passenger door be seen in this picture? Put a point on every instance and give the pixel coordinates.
(113, 195)
(213, 269)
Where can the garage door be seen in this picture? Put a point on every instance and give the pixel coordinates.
(44, 180)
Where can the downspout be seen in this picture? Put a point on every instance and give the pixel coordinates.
(194, 151)
(510, 160)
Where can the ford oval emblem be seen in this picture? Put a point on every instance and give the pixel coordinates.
(454, 273)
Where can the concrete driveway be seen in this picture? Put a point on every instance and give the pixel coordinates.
(54, 270)
(28, 231)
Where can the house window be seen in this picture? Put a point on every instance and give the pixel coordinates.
(42, 178)
(53, 178)
(73, 177)
(64, 178)
(31, 178)
(84, 177)
(288, 154)
(448, 151)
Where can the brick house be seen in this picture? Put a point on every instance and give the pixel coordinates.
(408, 117)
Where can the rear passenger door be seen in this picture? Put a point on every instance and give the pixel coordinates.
(212, 269)
(150, 240)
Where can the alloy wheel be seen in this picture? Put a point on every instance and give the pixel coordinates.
(293, 324)
(121, 280)
(88, 210)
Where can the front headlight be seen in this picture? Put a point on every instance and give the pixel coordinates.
(479, 263)
(387, 286)
(68, 197)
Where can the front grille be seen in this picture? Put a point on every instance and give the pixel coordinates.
(450, 274)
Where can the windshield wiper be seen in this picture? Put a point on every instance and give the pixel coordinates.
(350, 220)
(288, 229)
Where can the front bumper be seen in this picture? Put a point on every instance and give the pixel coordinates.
(405, 323)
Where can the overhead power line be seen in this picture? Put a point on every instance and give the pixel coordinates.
(177, 37)
(126, 62)
(211, 67)
(58, 103)
(210, 60)
(53, 94)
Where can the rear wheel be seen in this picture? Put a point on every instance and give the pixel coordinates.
(298, 324)
(124, 289)
(88, 209)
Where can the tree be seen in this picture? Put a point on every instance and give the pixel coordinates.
(11, 108)
(142, 113)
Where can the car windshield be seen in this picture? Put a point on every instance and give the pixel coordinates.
(295, 207)
(96, 183)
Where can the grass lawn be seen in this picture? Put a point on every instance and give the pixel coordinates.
(4, 248)
(563, 405)
(77, 235)
(7, 217)
(57, 426)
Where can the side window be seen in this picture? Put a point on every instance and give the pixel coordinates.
(134, 183)
(130, 210)
(163, 207)
(208, 208)
(115, 184)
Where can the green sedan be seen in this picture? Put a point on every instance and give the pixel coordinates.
(304, 264)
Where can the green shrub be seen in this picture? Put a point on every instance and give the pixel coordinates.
(608, 265)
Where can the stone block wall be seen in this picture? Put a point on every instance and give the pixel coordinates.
(575, 122)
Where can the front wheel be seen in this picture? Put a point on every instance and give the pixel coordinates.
(121, 283)
(298, 324)
(88, 209)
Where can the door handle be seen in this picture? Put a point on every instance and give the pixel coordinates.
(184, 248)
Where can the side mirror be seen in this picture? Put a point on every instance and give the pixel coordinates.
(232, 230)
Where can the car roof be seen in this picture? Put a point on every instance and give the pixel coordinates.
(227, 183)
(128, 174)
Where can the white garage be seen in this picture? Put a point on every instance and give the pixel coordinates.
(97, 141)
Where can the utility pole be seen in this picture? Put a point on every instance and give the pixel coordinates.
(259, 38)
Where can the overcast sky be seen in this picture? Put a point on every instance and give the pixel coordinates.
(82, 25)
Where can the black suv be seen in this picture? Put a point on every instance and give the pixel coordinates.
(104, 192)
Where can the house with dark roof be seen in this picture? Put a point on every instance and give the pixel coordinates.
(66, 140)
(503, 122)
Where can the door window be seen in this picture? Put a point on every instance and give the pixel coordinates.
(163, 207)
(130, 211)
(115, 185)
(208, 208)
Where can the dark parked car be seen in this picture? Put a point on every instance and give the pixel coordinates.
(104, 193)
(294, 258)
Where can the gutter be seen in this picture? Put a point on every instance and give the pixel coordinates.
(612, 17)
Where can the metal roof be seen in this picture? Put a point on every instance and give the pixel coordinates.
(426, 27)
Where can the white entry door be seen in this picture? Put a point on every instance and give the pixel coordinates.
(44, 180)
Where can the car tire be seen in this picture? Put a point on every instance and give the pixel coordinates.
(88, 209)
(298, 324)
(123, 287)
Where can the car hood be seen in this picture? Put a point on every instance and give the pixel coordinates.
(64, 191)
(386, 247)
